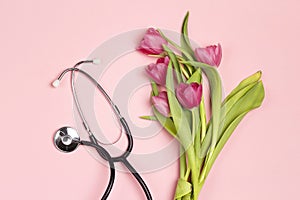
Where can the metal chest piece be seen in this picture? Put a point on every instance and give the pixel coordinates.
(66, 139)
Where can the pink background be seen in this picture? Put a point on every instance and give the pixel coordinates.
(40, 38)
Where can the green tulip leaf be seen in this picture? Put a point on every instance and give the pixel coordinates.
(228, 104)
(182, 50)
(187, 197)
(196, 77)
(166, 122)
(184, 40)
(154, 88)
(180, 120)
(148, 117)
(219, 147)
(183, 188)
(251, 100)
(174, 60)
(216, 98)
(196, 125)
(244, 83)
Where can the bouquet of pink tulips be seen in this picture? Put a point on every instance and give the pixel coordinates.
(178, 103)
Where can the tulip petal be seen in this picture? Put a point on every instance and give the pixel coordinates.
(152, 42)
(210, 55)
(160, 102)
(218, 54)
(204, 56)
(189, 95)
(157, 72)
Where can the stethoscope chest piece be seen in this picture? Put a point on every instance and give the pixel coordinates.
(66, 139)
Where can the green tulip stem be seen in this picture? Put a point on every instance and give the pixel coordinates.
(194, 171)
(201, 163)
(196, 135)
(203, 119)
(182, 164)
(157, 56)
(187, 174)
(205, 171)
(201, 185)
(202, 112)
(185, 72)
(182, 61)
(195, 118)
(190, 68)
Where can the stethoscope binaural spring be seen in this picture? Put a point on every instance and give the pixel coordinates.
(66, 139)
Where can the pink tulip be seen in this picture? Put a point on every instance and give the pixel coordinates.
(152, 42)
(210, 55)
(161, 103)
(189, 95)
(158, 71)
(164, 60)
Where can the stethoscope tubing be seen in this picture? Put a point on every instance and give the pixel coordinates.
(105, 155)
(93, 141)
(123, 160)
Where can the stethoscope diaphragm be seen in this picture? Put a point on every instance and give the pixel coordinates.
(66, 139)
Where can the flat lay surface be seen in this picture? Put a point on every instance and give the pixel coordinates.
(39, 39)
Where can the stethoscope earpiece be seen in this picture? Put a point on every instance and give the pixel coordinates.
(66, 139)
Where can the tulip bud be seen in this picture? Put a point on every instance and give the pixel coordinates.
(161, 103)
(158, 71)
(164, 60)
(210, 55)
(152, 42)
(189, 95)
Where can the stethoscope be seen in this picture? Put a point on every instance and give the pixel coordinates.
(66, 139)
